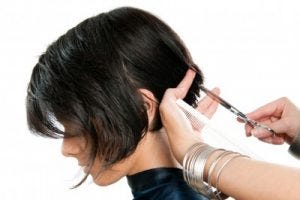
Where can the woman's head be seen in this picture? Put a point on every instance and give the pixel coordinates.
(90, 80)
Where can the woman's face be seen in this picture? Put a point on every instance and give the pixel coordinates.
(77, 147)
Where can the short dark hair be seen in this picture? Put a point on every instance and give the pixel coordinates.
(90, 77)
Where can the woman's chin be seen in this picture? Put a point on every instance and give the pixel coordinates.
(103, 183)
(104, 180)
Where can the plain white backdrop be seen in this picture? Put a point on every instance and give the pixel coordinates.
(250, 49)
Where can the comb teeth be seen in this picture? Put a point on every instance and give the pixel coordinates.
(197, 120)
(202, 124)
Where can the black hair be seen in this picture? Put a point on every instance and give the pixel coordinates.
(90, 77)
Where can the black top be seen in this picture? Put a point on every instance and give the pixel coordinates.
(161, 184)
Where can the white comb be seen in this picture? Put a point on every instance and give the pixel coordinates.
(201, 123)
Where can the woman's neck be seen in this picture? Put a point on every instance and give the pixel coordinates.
(153, 152)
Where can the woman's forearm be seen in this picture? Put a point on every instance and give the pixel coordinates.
(245, 178)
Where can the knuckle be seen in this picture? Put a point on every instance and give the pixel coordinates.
(288, 125)
(284, 99)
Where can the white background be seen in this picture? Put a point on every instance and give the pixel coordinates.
(250, 49)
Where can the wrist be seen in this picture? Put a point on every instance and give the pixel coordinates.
(203, 166)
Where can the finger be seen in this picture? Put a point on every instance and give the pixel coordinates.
(248, 129)
(210, 111)
(207, 105)
(207, 100)
(185, 84)
(264, 120)
(170, 113)
(260, 133)
(273, 140)
(271, 109)
(240, 120)
(268, 137)
(170, 96)
(281, 126)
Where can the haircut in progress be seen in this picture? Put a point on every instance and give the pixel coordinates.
(90, 79)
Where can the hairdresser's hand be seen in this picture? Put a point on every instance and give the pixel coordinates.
(282, 116)
(179, 130)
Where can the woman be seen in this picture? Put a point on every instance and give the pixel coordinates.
(102, 81)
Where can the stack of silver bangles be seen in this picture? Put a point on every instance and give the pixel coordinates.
(194, 163)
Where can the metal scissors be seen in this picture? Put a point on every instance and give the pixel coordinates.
(235, 111)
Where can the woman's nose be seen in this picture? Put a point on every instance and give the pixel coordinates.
(70, 148)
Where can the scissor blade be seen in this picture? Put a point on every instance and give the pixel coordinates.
(222, 102)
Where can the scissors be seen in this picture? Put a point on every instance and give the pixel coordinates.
(235, 111)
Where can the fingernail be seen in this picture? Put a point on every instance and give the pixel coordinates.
(268, 140)
(255, 132)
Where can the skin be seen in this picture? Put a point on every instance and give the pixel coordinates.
(282, 116)
(180, 133)
(152, 152)
(242, 178)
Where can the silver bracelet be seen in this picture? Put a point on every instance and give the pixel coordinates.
(188, 162)
(221, 170)
(193, 168)
(213, 165)
(194, 163)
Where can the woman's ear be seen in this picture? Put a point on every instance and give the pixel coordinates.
(150, 103)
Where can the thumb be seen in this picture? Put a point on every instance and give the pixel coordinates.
(180, 92)
(279, 126)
